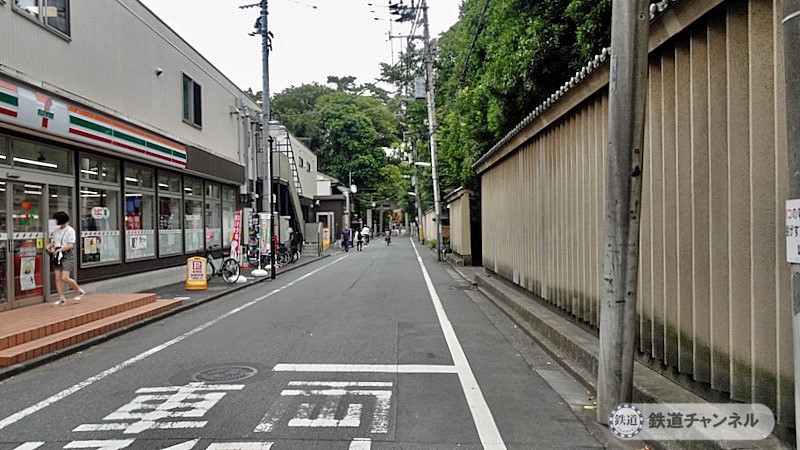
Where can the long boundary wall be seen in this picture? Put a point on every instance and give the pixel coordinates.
(714, 298)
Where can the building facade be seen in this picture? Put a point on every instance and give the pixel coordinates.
(107, 114)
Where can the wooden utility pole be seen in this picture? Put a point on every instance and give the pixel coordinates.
(791, 47)
(623, 192)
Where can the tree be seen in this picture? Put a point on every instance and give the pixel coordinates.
(345, 127)
(489, 77)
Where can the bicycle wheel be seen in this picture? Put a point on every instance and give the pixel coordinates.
(282, 257)
(230, 271)
(295, 255)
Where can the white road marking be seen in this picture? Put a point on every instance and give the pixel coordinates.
(30, 446)
(240, 446)
(481, 414)
(332, 393)
(100, 427)
(156, 408)
(188, 445)
(326, 419)
(364, 368)
(16, 417)
(361, 444)
(101, 445)
(385, 384)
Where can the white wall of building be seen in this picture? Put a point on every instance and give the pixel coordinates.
(306, 168)
(109, 63)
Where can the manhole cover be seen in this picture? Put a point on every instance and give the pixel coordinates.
(225, 374)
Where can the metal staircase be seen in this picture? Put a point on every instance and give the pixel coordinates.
(295, 187)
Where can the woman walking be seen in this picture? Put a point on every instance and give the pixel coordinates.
(62, 258)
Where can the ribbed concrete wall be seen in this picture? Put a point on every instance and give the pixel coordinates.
(458, 205)
(714, 299)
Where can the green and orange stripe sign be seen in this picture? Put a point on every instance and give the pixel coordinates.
(40, 111)
(9, 99)
(108, 133)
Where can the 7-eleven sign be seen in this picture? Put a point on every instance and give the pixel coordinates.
(45, 104)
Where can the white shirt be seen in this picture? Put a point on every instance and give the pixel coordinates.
(63, 236)
(365, 231)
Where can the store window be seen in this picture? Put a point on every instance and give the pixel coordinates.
(193, 215)
(192, 102)
(98, 170)
(32, 155)
(170, 229)
(52, 13)
(140, 233)
(213, 214)
(169, 183)
(228, 212)
(99, 211)
(4, 150)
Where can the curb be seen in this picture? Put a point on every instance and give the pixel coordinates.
(19, 368)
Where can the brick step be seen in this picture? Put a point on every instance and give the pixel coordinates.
(74, 335)
(34, 322)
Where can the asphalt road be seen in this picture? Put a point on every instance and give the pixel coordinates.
(375, 349)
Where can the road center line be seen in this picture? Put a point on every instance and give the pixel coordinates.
(16, 417)
(481, 414)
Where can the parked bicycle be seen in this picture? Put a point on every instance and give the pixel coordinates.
(228, 269)
(253, 254)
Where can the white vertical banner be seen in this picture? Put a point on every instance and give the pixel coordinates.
(263, 231)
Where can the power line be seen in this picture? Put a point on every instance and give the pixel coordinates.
(471, 46)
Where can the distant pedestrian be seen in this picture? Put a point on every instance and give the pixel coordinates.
(296, 241)
(365, 233)
(346, 239)
(62, 257)
(359, 240)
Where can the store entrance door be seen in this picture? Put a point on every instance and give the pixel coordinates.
(22, 239)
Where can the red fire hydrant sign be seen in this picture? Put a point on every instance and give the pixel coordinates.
(793, 231)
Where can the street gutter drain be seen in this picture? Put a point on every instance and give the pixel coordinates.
(225, 374)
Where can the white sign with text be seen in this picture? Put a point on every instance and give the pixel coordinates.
(793, 231)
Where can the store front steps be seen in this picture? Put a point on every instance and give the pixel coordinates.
(33, 331)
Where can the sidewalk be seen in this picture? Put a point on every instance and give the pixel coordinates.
(576, 350)
(34, 335)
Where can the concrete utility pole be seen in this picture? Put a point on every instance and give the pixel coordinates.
(623, 192)
(266, 140)
(791, 47)
(431, 99)
(416, 195)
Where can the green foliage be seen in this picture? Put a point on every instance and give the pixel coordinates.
(432, 243)
(346, 128)
(522, 52)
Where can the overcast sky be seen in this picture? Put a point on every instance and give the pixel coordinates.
(339, 37)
